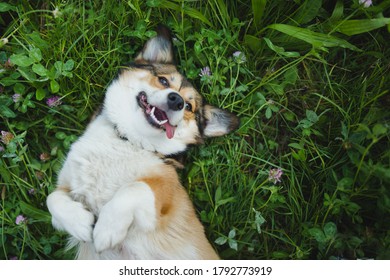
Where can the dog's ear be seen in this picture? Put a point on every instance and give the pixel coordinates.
(158, 49)
(218, 122)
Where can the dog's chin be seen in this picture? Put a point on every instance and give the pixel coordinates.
(155, 116)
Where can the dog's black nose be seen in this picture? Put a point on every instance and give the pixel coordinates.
(175, 101)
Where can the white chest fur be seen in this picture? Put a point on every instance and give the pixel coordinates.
(100, 163)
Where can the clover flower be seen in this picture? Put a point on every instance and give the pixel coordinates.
(31, 191)
(53, 101)
(6, 137)
(16, 97)
(8, 64)
(366, 3)
(239, 57)
(56, 12)
(20, 219)
(205, 72)
(3, 42)
(274, 175)
(40, 175)
(44, 157)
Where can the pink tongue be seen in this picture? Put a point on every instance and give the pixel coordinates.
(169, 130)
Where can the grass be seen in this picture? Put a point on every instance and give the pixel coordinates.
(311, 88)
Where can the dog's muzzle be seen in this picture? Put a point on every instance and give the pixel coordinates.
(158, 117)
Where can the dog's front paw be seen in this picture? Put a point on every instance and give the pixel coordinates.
(71, 216)
(81, 224)
(108, 232)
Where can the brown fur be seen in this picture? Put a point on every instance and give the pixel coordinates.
(176, 215)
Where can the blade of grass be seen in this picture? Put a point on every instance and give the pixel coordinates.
(359, 26)
(258, 7)
(317, 40)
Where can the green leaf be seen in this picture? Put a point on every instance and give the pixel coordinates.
(330, 229)
(358, 26)
(39, 69)
(312, 116)
(35, 54)
(19, 88)
(60, 135)
(318, 234)
(280, 50)
(379, 129)
(345, 184)
(196, 14)
(308, 11)
(338, 11)
(253, 42)
(28, 74)
(218, 194)
(268, 113)
(5, 7)
(232, 233)
(317, 40)
(68, 66)
(179, 8)
(54, 86)
(296, 146)
(258, 7)
(291, 75)
(40, 94)
(224, 201)
(233, 244)
(6, 112)
(37, 40)
(221, 240)
(344, 130)
(277, 88)
(259, 220)
(35, 213)
(21, 60)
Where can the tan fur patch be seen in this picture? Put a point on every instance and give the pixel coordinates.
(64, 189)
(163, 185)
(177, 220)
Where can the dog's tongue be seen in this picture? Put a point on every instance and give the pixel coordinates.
(169, 130)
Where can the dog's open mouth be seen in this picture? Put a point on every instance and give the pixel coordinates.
(156, 117)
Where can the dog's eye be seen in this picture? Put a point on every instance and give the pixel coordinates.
(189, 107)
(163, 81)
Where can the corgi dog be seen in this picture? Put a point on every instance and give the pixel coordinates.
(118, 194)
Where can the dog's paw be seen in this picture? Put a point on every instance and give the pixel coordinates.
(70, 216)
(108, 232)
(81, 224)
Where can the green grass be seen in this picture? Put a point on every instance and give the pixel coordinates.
(312, 94)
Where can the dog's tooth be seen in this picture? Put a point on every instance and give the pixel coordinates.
(152, 111)
(162, 122)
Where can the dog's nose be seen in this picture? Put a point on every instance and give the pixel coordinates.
(175, 101)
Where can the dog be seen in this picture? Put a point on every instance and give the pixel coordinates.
(118, 194)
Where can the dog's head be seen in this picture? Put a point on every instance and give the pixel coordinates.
(152, 104)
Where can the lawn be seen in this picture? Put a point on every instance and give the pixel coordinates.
(307, 174)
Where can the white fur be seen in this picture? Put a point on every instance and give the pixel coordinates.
(130, 205)
(101, 170)
(64, 210)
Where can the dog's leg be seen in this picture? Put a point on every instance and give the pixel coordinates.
(132, 205)
(70, 215)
